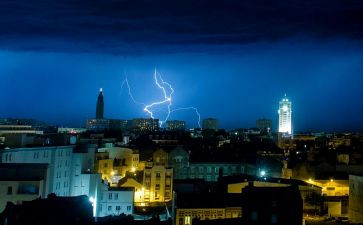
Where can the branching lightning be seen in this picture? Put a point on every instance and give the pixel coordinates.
(126, 82)
(168, 92)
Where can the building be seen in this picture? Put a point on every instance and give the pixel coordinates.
(22, 182)
(113, 163)
(158, 179)
(145, 124)
(71, 171)
(206, 206)
(210, 124)
(355, 199)
(73, 130)
(238, 183)
(19, 135)
(100, 105)
(208, 171)
(175, 125)
(285, 116)
(264, 125)
(58, 158)
(178, 159)
(107, 125)
(211, 171)
(332, 187)
(128, 182)
(272, 205)
(118, 125)
(98, 124)
(116, 201)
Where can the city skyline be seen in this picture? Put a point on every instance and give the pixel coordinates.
(181, 112)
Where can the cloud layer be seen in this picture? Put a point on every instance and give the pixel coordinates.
(119, 26)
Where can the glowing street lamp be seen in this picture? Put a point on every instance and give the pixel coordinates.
(263, 173)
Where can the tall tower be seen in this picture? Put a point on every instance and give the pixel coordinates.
(285, 111)
(100, 104)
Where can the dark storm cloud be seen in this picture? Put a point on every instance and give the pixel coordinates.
(131, 25)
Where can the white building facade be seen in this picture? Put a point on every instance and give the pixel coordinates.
(115, 201)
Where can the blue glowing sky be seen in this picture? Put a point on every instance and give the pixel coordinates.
(234, 66)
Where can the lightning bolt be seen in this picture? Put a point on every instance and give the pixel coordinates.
(168, 92)
(167, 97)
(126, 82)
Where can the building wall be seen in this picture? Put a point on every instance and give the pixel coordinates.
(332, 187)
(139, 191)
(211, 171)
(19, 191)
(356, 199)
(58, 158)
(210, 124)
(116, 162)
(158, 184)
(114, 203)
(186, 216)
(304, 190)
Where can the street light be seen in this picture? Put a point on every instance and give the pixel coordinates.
(262, 173)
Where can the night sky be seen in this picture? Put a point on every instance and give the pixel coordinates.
(233, 60)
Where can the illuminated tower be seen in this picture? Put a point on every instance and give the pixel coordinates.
(285, 111)
(99, 109)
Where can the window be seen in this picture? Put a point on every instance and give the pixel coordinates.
(254, 215)
(158, 175)
(116, 196)
(188, 220)
(9, 157)
(6, 157)
(10, 190)
(105, 165)
(209, 169)
(109, 208)
(273, 218)
(128, 208)
(216, 169)
(201, 169)
(118, 208)
(110, 196)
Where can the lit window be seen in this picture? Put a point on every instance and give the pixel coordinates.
(187, 220)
